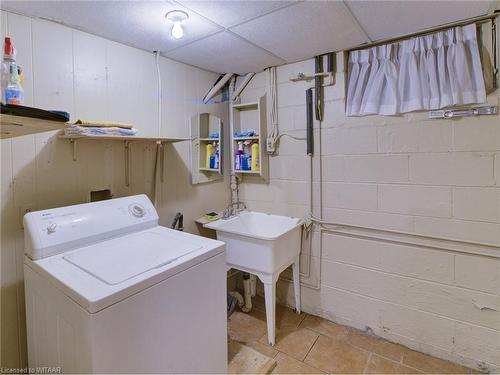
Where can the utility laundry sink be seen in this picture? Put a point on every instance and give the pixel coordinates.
(264, 245)
(259, 242)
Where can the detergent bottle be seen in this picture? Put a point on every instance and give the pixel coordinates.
(255, 156)
(210, 151)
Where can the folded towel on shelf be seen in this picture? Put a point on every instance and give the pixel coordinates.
(247, 133)
(90, 130)
(103, 124)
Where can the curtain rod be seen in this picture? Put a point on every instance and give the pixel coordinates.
(481, 19)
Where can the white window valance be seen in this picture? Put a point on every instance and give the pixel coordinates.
(426, 72)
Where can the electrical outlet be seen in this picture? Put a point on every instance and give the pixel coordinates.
(270, 146)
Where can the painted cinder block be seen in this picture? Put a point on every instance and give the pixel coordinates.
(334, 169)
(469, 169)
(459, 230)
(352, 196)
(478, 272)
(290, 146)
(349, 141)
(479, 343)
(415, 200)
(448, 301)
(477, 134)
(376, 168)
(292, 93)
(291, 167)
(406, 260)
(369, 219)
(382, 316)
(415, 137)
(481, 204)
(334, 114)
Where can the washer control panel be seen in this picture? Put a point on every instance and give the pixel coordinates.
(48, 231)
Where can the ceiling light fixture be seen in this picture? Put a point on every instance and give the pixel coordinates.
(177, 17)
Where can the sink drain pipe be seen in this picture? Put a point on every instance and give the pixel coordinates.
(244, 302)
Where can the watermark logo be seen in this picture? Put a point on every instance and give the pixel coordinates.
(31, 370)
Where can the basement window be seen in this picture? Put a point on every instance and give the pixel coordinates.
(425, 72)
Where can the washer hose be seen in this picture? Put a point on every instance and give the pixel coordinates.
(178, 221)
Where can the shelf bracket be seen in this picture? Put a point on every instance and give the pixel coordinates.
(73, 143)
(127, 163)
(162, 161)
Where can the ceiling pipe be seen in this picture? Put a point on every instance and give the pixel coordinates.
(217, 87)
(241, 87)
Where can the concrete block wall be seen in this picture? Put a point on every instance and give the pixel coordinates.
(423, 178)
(97, 79)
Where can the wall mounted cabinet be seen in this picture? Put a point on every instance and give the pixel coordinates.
(207, 152)
(247, 117)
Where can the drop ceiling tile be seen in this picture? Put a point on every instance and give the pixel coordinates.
(230, 13)
(304, 30)
(225, 52)
(141, 24)
(387, 19)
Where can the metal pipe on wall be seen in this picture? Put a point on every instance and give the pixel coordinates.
(309, 119)
(318, 88)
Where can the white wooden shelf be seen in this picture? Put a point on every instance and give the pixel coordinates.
(128, 138)
(246, 106)
(254, 137)
(210, 169)
(250, 116)
(257, 173)
(209, 139)
(127, 141)
(16, 126)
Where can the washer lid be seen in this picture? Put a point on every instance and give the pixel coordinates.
(126, 257)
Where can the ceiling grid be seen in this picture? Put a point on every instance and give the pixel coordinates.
(248, 36)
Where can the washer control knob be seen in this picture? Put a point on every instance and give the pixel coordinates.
(51, 228)
(137, 210)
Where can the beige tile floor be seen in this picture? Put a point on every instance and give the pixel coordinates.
(306, 344)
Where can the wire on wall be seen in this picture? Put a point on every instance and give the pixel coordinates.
(272, 137)
(158, 75)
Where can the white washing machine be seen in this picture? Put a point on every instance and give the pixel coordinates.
(108, 290)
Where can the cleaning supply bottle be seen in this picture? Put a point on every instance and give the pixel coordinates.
(213, 157)
(12, 91)
(255, 157)
(238, 157)
(216, 156)
(210, 151)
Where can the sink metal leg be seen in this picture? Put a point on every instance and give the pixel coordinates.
(296, 283)
(270, 297)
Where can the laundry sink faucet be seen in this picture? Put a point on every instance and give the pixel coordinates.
(233, 209)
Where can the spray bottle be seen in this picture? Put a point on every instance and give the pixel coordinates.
(216, 156)
(12, 91)
(238, 157)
